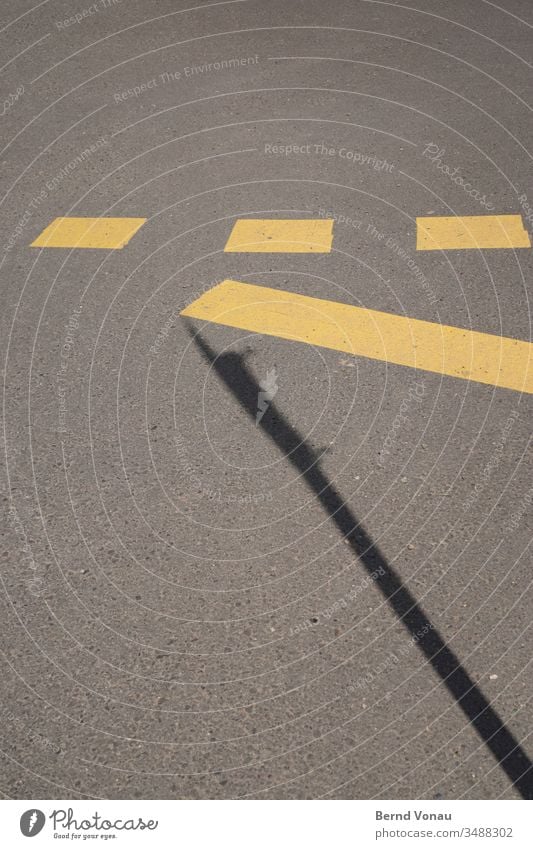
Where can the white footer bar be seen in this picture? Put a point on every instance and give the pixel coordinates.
(267, 824)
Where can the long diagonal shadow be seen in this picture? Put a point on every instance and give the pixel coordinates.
(232, 370)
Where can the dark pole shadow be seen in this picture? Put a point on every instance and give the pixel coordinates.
(233, 371)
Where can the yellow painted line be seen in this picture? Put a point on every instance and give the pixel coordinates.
(471, 232)
(277, 235)
(106, 233)
(481, 357)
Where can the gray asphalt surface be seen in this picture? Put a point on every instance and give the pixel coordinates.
(182, 617)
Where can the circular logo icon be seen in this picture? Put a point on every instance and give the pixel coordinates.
(31, 822)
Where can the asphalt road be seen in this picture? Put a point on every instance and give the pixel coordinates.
(334, 602)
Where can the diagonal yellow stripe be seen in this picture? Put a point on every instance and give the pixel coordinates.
(481, 357)
(471, 232)
(103, 233)
(278, 235)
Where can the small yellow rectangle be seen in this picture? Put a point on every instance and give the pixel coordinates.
(468, 354)
(103, 233)
(471, 232)
(276, 235)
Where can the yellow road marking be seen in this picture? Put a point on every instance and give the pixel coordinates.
(480, 357)
(471, 231)
(265, 235)
(109, 233)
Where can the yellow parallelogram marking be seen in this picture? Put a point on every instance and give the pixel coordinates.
(471, 231)
(276, 235)
(106, 233)
(481, 357)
